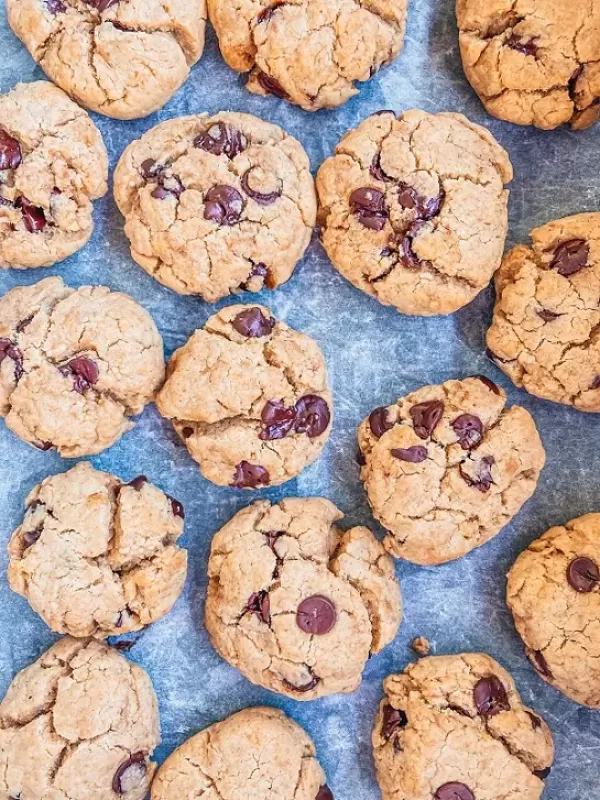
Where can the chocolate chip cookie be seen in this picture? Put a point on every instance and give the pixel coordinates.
(311, 52)
(455, 728)
(297, 605)
(554, 596)
(80, 723)
(545, 331)
(75, 365)
(447, 467)
(249, 398)
(414, 210)
(53, 163)
(258, 754)
(533, 62)
(215, 205)
(121, 58)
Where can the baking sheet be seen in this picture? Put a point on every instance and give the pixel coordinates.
(374, 356)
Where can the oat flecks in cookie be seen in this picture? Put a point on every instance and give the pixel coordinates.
(249, 398)
(75, 365)
(76, 723)
(215, 205)
(467, 488)
(414, 210)
(545, 334)
(97, 557)
(553, 593)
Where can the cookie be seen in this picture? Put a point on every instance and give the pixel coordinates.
(533, 62)
(75, 365)
(121, 58)
(216, 205)
(80, 723)
(455, 728)
(296, 604)
(544, 334)
(413, 210)
(258, 754)
(312, 52)
(447, 467)
(249, 398)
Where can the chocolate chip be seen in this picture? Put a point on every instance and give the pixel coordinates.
(572, 84)
(23, 324)
(526, 46)
(221, 139)
(55, 6)
(262, 198)
(469, 431)
(540, 664)
(187, 432)
(138, 482)
(9, 350)
(379, 422)
(583, 575)
(176, 507)
(595, 384)
(31, 537)
(151, 169)
(413, 455)
(252, 323)
(377, 171)
(324, 793)
(425, 417)
(454, 791)
(542, 774)
(408, 257)
(43, 446)
(536, 722)
(570, 257)
(307, 687)
(495, 358)
(84, 371)
(259, 270)
(360, 458)
(272, 537)
(368, 205)
(130, 775)
(101, 5)
(223, 205)
(393, 719)
(425, 209)
(483, 477)
(312, 415)
(10, 151)
(490, 384)
(547, 315)
(265, 14)
(259, 604)
(249, 476)
(33, 216)
(161, 193)
(277, 419)
(271, 86)
(316, 615)
(490, 697)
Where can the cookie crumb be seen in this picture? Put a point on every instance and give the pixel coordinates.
(421, 646)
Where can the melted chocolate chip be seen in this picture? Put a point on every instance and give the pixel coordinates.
(425, 417)
(23, 324)
(266, 14)
(454, 791)
(368, 205)
(490, 697)
(252, 323)
(547, 315)
(259, 270)
(130, 775)
(536, 722)
(408, 257)
(570, 257)
(393, 719)
(493, 357)
(84, 371)
(425, 209)
(259, 604)
(542, 774)
(55, 6)
(540, 664)
(469, 431)
(490, 384)
(377, 171)
(414, 455)
(221, 139)
(324, 793)
(223, 205)
(316, 615)
(583, 574)
(307, 687)
(101, 5)
(262, 198)
(9, 350)
(595, 384)
(150, 169)
(572, 85)
(176, 507)
(271, 86)
(138, 482)
(31, 537)
(483, 479)
(10, 151)
(272, 537)
(33, 216)
(379, 422)
(43, 446)
(360, 458)
(526, 46)
(312, 415)
(187, 432)
(277, 419)
(249, 476)
(171, 187)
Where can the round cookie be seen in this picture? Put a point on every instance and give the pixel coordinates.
(533, 62)
(53, 163)
(80, 723)
(447, 467)
(258, 753)
(121, 58)
(249, 398)
(98, 557)
(294, 603)
(544, 334)
(414, 210)
(554, 595)
(215, 205)
(75, 365)
(311, 52)
(455, 728)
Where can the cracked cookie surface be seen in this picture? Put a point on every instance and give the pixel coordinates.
(98, 557)
(75, 365)
(447, 467)
(249, 398)
(414, 210)
(545, 334)
(533, 62)
(121, 58)
(455, 728)
(295, 603)
(79, 724)
(553, 593)
(216, 204)
(53, 164)
(309, 52)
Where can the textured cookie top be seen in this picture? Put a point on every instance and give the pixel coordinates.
(79, 724)
(309, 52)
(455, 728)
(546, 329)
(413, 209)
(53, 163)
(296, 604)
(97, 557)
(447, 467)
(122, 58)
(218, 204)
(249, 397)
(75, 364)
(257, 754)
(554, 595)
(533, 62)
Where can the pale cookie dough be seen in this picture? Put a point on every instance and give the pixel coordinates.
(413, 209)
(249, 398)
(447, 467)
(216, 205)
(75, 365)
(98, 557)
(310, 52)
(554, 596)
(121, 58)
(545, 334)
(455, 728)
(295, 603)
(533, 62)
(256, 754)
(79, 724)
